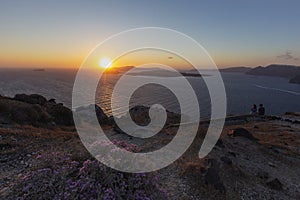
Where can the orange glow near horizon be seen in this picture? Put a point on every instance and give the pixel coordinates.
(31, 61)
(48, 59)
(40, 59)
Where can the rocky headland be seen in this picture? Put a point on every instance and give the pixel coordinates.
(290, 72)
(286, 71)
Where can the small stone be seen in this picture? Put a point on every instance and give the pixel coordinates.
(220, 143)
(275, 151)
(275, 184)
(226, 160)
(232, 153)
(203, 170)
(271, 164)
(3, 191)
(263, 175)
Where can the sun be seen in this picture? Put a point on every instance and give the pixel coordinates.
(105, 62)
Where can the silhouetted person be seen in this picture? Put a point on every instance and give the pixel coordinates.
(261, 109)
(253, 110)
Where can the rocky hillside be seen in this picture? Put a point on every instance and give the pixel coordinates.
(34, 110)
(255, 157)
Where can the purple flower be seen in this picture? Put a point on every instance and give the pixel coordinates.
(57, 176)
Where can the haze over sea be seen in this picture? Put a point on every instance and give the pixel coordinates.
(242, 90)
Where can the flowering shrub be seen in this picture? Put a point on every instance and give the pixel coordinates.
(57, 176)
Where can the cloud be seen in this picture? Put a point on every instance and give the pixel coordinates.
(287, 56)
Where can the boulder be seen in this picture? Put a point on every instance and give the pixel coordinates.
(294, 114)
(241, 132)
(140, 115)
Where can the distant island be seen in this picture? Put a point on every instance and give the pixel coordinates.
(236, 69)
(286, 71)
(276, 70)
(158, 72)
(163, 73)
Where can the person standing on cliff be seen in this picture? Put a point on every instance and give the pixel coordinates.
(253, 110)
(261, 109)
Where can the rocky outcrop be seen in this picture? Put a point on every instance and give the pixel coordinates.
(12, 111)
(61, 114)
(31, 99)
(140, 115)
(34, 110)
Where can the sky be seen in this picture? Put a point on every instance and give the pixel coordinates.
(40, 33)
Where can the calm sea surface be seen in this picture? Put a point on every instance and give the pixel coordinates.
(276, 94)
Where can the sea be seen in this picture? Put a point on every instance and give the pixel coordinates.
(242, 91)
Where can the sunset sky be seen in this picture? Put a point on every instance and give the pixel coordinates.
(40, 33)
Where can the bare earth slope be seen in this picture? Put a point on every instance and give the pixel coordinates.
(255, 157)
(267, 167)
